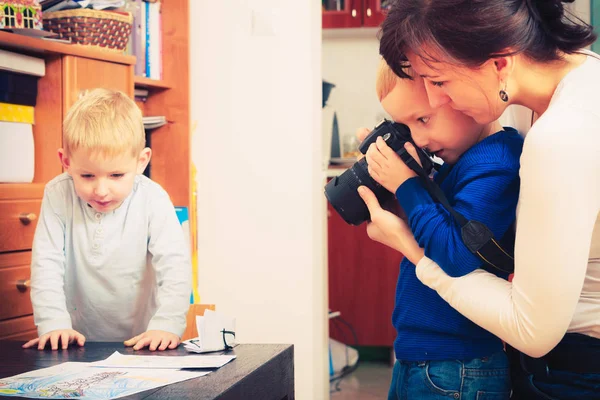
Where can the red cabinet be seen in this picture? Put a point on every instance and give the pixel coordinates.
(353, 13)
(362, 283)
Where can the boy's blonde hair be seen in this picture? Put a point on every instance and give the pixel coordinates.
(104, 121)
(386, 79)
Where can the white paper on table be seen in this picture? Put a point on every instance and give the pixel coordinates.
(118, 360)
(84, 381)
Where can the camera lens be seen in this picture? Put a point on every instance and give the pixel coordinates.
(342, 193)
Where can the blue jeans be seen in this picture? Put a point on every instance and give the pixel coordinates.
(485, 378)
(558, 385)
(534, 379)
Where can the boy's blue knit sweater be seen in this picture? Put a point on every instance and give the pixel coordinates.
(483, 185)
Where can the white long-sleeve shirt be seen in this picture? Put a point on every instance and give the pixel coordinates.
(556, 287)
(112, 275)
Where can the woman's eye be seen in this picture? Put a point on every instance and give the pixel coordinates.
(423, 120)
(437, 84)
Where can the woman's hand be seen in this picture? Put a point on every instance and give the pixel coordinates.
(389, 229)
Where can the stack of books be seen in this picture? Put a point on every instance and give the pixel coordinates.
(146, 38)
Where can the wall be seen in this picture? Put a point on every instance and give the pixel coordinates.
(256, 98)
(581, 8)
(350, 62)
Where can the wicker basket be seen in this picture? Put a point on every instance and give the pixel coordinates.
(104, 29)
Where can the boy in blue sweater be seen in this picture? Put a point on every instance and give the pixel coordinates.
(440, 353)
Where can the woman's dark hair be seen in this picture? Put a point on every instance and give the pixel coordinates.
(470, 32)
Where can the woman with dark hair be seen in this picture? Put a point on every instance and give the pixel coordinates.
(480, 56)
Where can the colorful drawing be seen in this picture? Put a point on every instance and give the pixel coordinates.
(86, 382)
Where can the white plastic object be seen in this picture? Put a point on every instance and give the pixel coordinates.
(17, 157)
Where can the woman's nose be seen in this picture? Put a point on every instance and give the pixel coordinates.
(437, 97)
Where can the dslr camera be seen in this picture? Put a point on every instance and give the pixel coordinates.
(342, 192)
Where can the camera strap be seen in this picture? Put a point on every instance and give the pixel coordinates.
(478, 238)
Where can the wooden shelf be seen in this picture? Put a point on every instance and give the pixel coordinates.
(36, 46)
(147, 83)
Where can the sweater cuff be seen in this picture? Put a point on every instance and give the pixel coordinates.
(412, 194)
(53, 325)
(166, 326)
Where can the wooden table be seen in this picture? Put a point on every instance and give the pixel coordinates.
(260, 371)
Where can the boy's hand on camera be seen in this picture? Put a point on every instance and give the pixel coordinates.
(388, 229)
(386, 167)
(154, 340)
(66, 337)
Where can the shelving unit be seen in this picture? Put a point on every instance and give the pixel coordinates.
(151, 84)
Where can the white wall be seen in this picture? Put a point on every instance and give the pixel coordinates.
(581, 8)
(256, 97)
(351, 64)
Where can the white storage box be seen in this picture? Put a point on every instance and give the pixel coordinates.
(17, 161)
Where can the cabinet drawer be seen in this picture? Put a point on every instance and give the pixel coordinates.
(14, 285)
(18, 329)
(18, 219)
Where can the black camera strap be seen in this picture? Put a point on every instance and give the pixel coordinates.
(478, 238)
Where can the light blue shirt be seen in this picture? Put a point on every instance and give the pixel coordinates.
(112, 275)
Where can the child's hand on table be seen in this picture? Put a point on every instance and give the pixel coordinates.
(154, 340)
(66, 337)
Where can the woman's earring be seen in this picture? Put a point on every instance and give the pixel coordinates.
(503, 95)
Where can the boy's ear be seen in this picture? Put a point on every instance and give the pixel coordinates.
(64, 160)
(144, 159)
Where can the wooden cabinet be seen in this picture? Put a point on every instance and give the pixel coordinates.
(353, 13)
(362, 283)
(14, 284)
(18, 220)
(16, 320)
(82, 74)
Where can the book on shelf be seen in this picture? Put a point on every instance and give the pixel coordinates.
(154, 122)
(18, 88)
(21, 63)
(146, 38)
(140, 94)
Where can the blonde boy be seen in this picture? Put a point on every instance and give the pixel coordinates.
(109, 262)
(441, 353)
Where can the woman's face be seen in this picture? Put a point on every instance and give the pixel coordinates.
(469, 90)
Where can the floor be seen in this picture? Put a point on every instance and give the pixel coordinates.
(370, 381)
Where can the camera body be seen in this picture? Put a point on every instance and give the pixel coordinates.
(342, 192)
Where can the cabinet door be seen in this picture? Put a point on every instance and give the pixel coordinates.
(342, 13)
(81, 74)
(362, 283)
(375, 12)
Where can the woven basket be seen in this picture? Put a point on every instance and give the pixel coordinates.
(104, 29)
